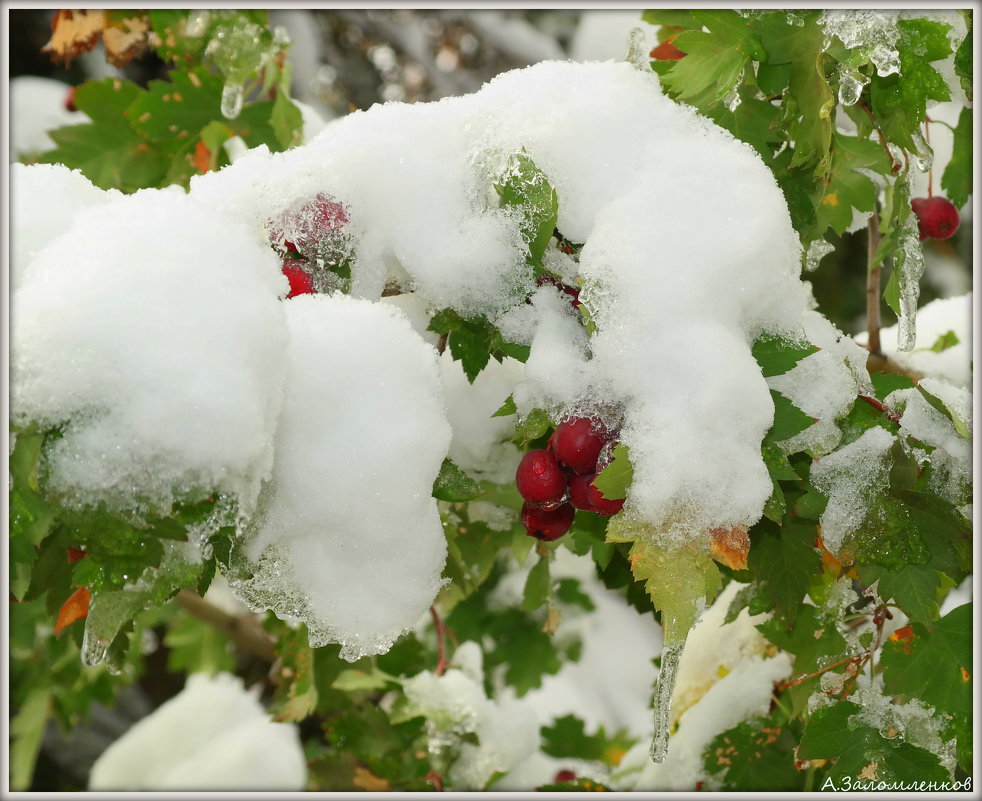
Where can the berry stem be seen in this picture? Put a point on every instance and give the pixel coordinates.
(873, 284)
(441, 654)
(892, 416)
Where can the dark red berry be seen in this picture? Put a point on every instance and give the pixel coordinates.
(564, 776)
(300, 281)
(579, 489)
(601, 505)
(308, 229)
(574, 294)
(539, 477)
(937, 217)
(577, 443)
(70, 99)
(547, 524)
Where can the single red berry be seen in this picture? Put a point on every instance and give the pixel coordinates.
(70, 99)
(540, 478)
(310, 227)
(300, 281)
(937, 217)
(601, 505)
(577, 443)
(579, 491)
(564, 776)
(547, 524)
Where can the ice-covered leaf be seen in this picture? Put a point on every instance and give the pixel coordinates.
(776, 355)
(567, 738)
(453, 484)
(812, 100)
(932, 662)
(615, 478)
(861, 752)
(782, 559)
(899, 100)
(525, 187)
(531, 427)
(961, 426)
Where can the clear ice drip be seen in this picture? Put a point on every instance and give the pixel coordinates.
(232, 97)
(911, 267)
(94, 648)
(872, 33)
(817, 251)
(851, 83)
(670, 658)
(923, 152)
(637, 53)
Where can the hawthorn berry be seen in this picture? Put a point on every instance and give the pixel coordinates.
(547, 524)
(572, 292)
(579, 491)
(577, 443)
(937, 217)
(602, 505)
(306, 229)
(300, 281)
(564, 776)
(539, 477)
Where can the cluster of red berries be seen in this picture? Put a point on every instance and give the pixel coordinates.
(313, 226)
(937, 217)
(558, 479)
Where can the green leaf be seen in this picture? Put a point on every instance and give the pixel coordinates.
(537, 585)
(286, 121)
(939, 404)
(507, 408)
(352, 680)
(172, 42)
(26, 732)
(847, 188)
(525, 187)
(963, 61)
(914, 588)
(789, 420)
(782, 559)
(810, 101)
(568, 592)
(899, 101)
(956, 180)
(946, 340)
(567, 738)
(756, 755)
(453, 484)
(170, 111)
(932, 663)
(531, 427)
(196, 647)
(615, 478)
(714, 59)
(776, 355)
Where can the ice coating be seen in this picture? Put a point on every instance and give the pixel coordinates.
(852, 478)
(349, 538)
(213, 735)
(163, 357)
(873, 32)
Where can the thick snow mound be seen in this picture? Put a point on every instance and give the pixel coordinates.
(152, 330)
(213, 735)
(350, 538)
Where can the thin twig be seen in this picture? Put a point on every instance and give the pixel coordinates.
(441, 653)
(891, 416)
(244, 631)
(873, 284)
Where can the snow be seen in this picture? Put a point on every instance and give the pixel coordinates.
(37, 105)
(213, 735)
(934, 320)
(348, 537)
(152, 349)
(852, 478)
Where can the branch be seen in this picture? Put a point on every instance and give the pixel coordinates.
(873, 284)
(244, 631)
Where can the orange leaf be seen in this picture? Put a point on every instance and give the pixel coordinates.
(364, 779)
(730, 546)
(73, 32)
(75, 608)
(202, 156)
(74, 554)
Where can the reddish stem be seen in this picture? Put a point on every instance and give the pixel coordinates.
(441, 655)
(436, 780)
(930, 172)
(892, 416)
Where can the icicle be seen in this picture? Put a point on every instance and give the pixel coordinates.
(637, 53)
(94, 648)
(817, 251)
(851, 83)
(911, 266)
(670, 658)
(923, 152)
(232, 96)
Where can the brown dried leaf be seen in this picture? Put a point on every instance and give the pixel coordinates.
(730, 546)
(364, 779)
(126, 39)
(73, 32)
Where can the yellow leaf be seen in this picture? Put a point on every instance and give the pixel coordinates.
(730, 546)
(73, 32)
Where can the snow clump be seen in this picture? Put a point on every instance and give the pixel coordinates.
(213, 735)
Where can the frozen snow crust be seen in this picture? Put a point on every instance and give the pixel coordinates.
(153, 329)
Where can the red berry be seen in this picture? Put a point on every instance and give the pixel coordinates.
(547, 524)
(937, 217)
(311, 227)
(574, 294)
(70, 99)
(300, 281)
(540, 478)
(579, 488)
(601, 505)
(577, 443)
(564, 776)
